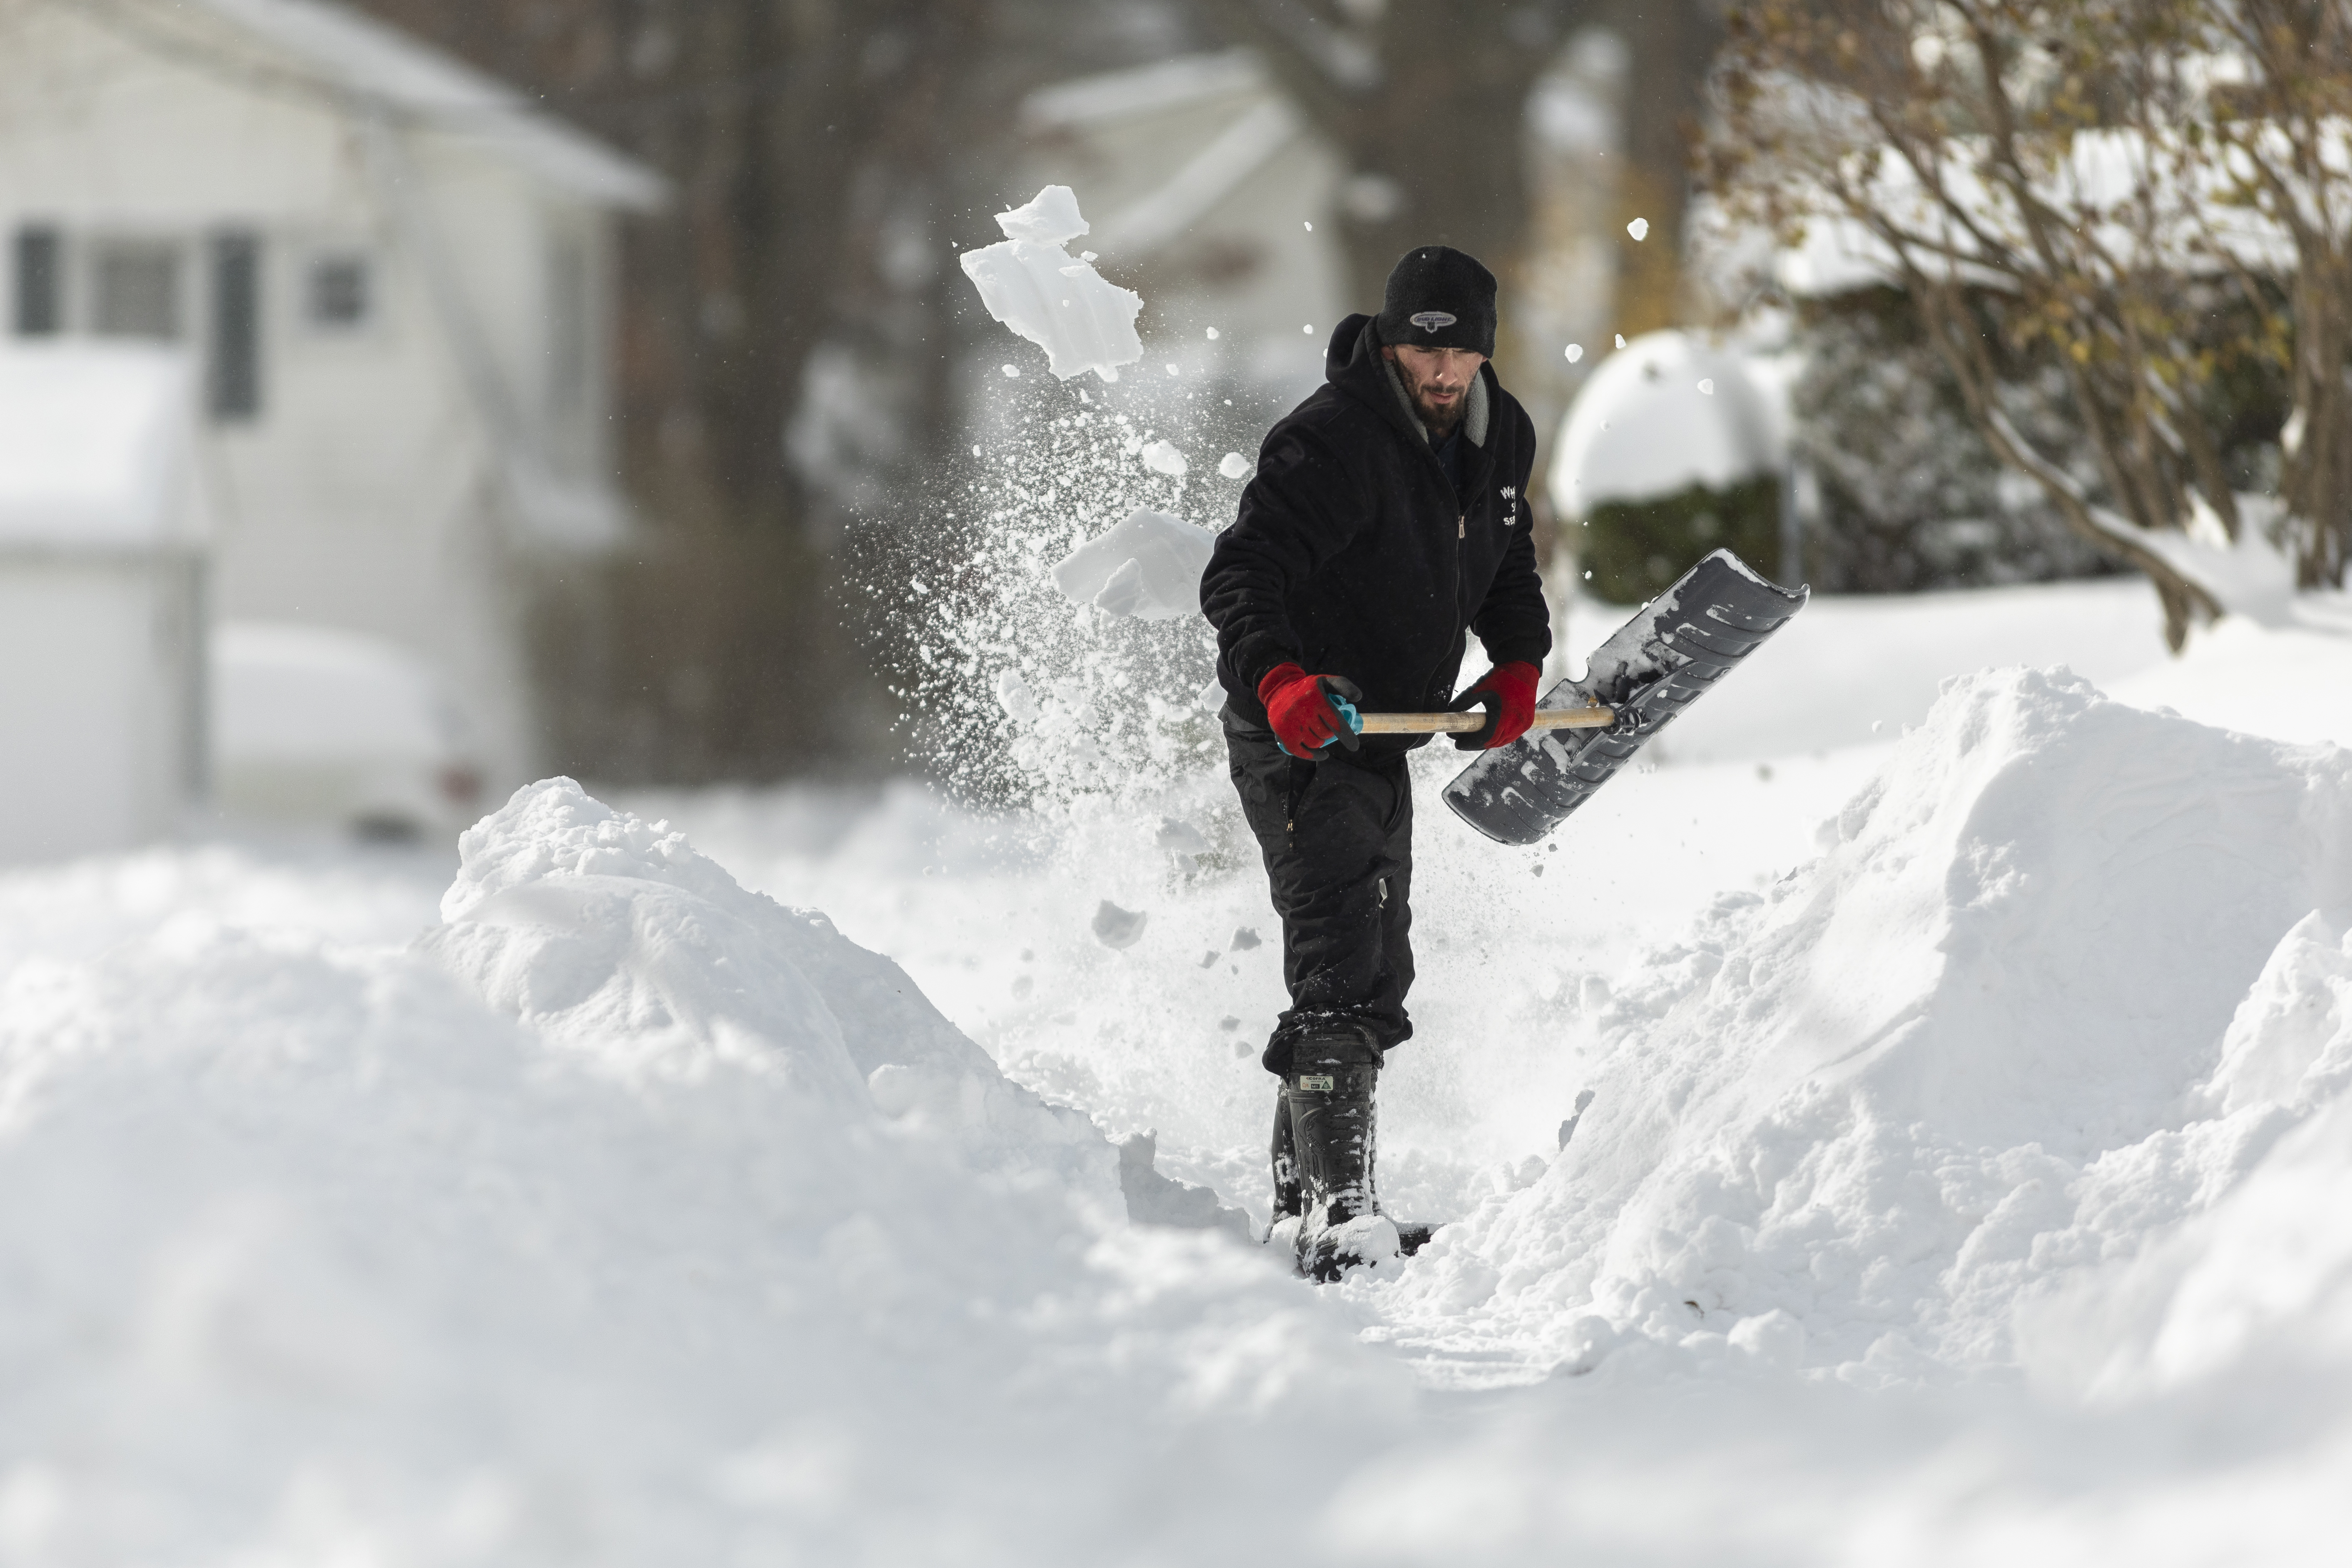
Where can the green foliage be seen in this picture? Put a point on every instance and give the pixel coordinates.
(1636, 550)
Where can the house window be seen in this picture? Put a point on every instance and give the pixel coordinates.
(337, 296)
(135, 289)
(40, 281)
(233, 357)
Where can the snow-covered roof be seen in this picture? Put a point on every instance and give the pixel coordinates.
(97, 448)
(1145, 89)
(1668, 411)
(369, 62)
(1213, 171)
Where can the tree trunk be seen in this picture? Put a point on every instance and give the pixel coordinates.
(1671, 45)
(2317, 484)
(1447, 127)
(1431, 126)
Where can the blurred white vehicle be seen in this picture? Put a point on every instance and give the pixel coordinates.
(318, 727)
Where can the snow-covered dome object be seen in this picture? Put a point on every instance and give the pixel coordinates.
(1668, 411)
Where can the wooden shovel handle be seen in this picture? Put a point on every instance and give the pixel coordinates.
(1595, 718)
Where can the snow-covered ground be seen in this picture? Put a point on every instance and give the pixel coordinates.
(1965, 1177)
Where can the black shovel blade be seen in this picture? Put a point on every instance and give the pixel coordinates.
(1657, 664)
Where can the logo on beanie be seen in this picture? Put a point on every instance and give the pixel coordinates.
(1429, 321)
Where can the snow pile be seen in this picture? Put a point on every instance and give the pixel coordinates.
(1985, 1041)
(1148, 567)
(2266, 1276)
(1029, 282)
(629, 1217)
(616, 938)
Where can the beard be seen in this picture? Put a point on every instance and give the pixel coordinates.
(1441, 419)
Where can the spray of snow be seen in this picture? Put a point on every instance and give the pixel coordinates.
(1065, 657)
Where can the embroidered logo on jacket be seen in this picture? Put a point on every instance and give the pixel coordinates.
(1429, 321)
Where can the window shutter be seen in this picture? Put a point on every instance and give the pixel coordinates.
(233, 369)
(40, 281)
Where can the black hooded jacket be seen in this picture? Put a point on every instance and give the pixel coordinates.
(1353, 555)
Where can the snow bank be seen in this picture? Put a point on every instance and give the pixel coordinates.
(1148, 567)
(1985, 1040)
(1029, 282)
(628, 1217)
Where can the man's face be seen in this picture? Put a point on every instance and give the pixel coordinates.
(1438, 382)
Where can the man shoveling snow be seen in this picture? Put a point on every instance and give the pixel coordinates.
(1386, 520)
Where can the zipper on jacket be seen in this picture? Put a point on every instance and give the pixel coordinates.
(1462, 528)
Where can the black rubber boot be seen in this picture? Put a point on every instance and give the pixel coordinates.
(1290, 1202)
(1333, 1140)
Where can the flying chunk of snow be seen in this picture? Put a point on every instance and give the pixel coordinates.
(1233, 466)
(1148, 567)
(1012, 372)
(1639, 228)
(1210, 698)
(1162, 457)
(1029, 283)
(1575, 352)
(1050, 217)
(1620, 339)
(1171, 368)
(1213, 335)
(1308, 328)
(1706, 386)
(1117, 928)
(1310, 229)
(1013, 695)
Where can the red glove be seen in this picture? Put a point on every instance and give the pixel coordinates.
(1300, 713)
(1507, 692)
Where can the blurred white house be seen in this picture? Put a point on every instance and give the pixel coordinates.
(1205, 189)
(394, 281)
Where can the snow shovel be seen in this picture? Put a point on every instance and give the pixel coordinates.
(1654, 667)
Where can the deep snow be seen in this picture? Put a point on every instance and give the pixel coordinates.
(1964, 1178)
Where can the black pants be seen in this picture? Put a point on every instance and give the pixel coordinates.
(1338, 839)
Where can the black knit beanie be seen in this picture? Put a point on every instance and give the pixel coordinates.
(1438, 298)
